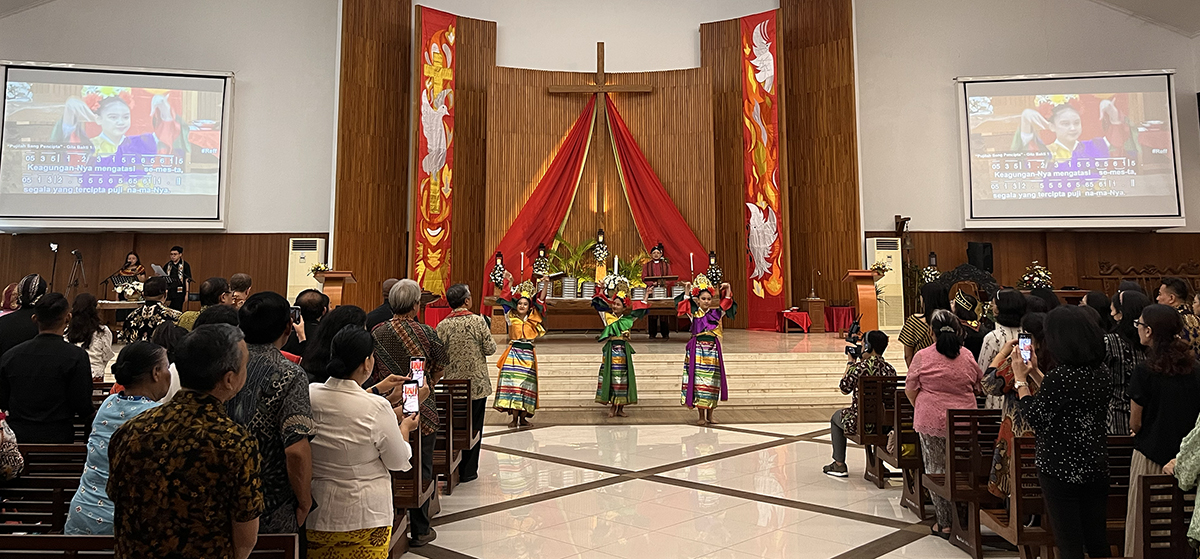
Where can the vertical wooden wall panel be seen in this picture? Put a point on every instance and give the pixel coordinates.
(371, 205)
(672, 125)
(817, 59)
(262, 255)
(475, 48)
(721, 53)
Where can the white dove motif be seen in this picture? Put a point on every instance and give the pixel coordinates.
(763, 232)
(763, 61)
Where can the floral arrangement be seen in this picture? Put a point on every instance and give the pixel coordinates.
(880, 267)
(497, 275)
(541, 266)
(600, 252)
(929, 274)
(131, 290)
(1036, 276)
(318, 268)
(613, 282)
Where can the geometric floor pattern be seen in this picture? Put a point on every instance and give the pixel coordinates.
(674, 492)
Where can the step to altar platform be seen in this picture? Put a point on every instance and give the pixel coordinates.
(765, 370)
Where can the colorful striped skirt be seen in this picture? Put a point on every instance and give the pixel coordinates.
(517, 388)
(368, 543)
(708, 376)
(612, 386)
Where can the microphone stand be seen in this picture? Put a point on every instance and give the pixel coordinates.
(53, 270)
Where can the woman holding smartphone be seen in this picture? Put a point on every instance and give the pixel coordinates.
(360, 438)
(998, 383)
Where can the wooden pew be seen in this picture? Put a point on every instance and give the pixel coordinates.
(447, 455)
(1120, 454)
(876, 407)
(269, 546)
(36, 504)
(56, 460)
(908, 462)
(409, 491)
(1024, 499)
(465, 435)
(970, 442)
(1164, 513)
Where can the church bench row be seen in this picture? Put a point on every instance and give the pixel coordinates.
(883, 409)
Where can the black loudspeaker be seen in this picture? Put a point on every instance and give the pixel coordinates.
(979, 255)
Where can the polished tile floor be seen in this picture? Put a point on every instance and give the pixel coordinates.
(674, 491)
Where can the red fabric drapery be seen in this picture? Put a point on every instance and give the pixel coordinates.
(655, 214)
(546, 210)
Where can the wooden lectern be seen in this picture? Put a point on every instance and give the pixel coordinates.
(866, 303)
(332, 283)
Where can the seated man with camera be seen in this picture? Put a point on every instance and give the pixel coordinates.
(863, 360)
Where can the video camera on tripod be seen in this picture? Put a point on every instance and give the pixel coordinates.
(854, 338)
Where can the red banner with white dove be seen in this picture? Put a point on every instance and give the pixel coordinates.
(760, 125)
(435, 151)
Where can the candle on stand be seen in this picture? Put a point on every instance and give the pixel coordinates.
(522, 265)
(692, 264)
(616, 264)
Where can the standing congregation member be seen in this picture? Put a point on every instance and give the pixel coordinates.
(213, 292)
(142, 321)
(704, 384)
(999, 382)
(658, 266)
(274, 407)
(397, 342)
(915, 335)
(10, 301)
(1165, 394)
(517, 383)
(18, 326)
(869, 364)
(11, 460)
(1123, 354)
(383, 312)
(468, 342)
(313, 306)
(86, 332)
(941, 377)
(1103, 305)
(1046, 294)
(179, 278)
(142, 369)
(240, 284)
(360, 437)
(316, 359)
(1010, 308)
(1069, 414)
(966, 307)
(184, 477)
(1185, 466)
(45, 383)
(1174, 293)
(616, 385)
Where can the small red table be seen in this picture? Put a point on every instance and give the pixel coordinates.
(838, 319)
(434, 315)
(785, 319)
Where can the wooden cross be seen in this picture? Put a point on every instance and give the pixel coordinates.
(600, 86)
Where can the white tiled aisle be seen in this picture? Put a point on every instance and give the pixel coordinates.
(634, 491)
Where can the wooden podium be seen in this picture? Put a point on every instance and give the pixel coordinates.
(332, 283)
(866, 304)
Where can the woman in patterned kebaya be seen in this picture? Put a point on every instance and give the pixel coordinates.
(704, 365)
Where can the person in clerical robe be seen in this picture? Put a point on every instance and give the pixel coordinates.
(121, 158)
(704, 364)
(517, 385)
(1075, 162)
(657, 266)
(616, 385)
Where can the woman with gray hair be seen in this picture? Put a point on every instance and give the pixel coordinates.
(943, 376)
(398, 343)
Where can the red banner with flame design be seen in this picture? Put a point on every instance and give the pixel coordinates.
(760, 152)
(435, 151)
